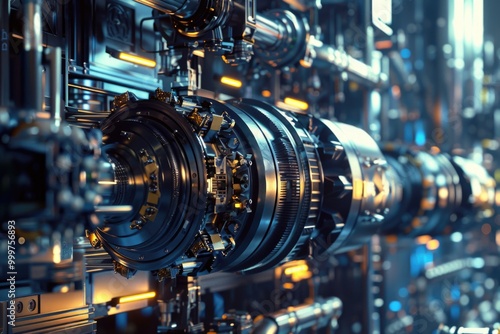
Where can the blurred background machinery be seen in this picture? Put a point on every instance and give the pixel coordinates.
(241, 166)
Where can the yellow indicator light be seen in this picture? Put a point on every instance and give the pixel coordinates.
(108, 183)
(238, 205)
(432, 244)
(296, 269)
(443, 193)
(296, 103)
(56, 253)
(357, 189)
(136, 59)
(231, 82)
(297, 277)
(266, 93)
(135, 298)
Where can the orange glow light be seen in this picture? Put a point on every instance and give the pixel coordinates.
(396, 91)
(266, 93)
(423, 239)
(486, 229)
(381, 45)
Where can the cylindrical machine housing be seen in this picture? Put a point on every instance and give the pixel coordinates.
(236, 186)
(243, 186)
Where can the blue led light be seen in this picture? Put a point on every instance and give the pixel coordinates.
(405, 53)
(394, 306)
(455, 292)
(121, 320)
(403, 292)
(408, 132)
(147, 311)
(419, 259)
(455, 312)
(420, 135)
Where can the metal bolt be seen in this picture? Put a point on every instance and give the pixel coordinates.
(94, 241)
(136, 225)
(19, 307)
(32, 305)
(150, 210)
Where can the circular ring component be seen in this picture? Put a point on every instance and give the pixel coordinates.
(432, 192)
(359, 190)
(283, 36)
(291, 190)
(160, 170)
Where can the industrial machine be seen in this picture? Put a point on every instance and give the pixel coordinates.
(241, 166)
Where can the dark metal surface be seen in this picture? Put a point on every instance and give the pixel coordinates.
(204, 177)
(179, 8)
(4, 54)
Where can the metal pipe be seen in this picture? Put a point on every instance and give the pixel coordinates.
(327, 55)
(4, 55)
(54, 55)
(268, 33)
(33, 54)
(293, 320)
(271, 33)
(280, 37)
(179, 8)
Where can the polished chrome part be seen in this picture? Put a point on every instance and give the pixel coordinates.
(265, 185)
(439, 192)
(259, 186)
(54, 55)
(276, 29)
(321, 313)
(33, 48)
(478, 186)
